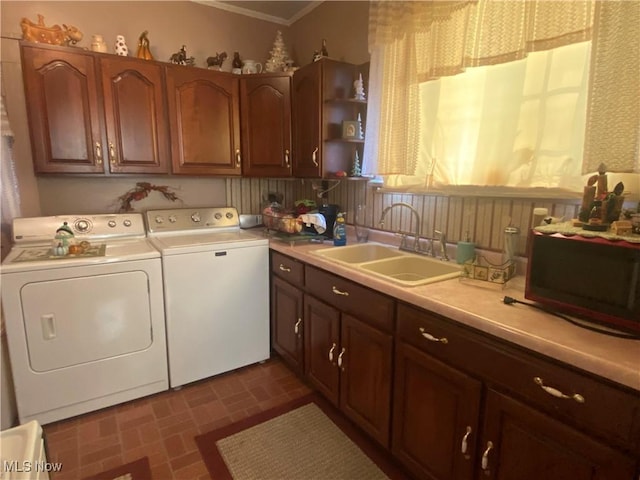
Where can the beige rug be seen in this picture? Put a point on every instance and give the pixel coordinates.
(304, 439)
(301, 444)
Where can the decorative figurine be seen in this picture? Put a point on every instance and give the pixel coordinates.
(358, 86)
(144, 50)
(121, 46)
(98, 44)
(356, 170)
(55, 35)
(181, 58)
(324, 51)
(217, 61)
(316, 55)
(279, 57)
(360, 133)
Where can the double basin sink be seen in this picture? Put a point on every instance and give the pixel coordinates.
(392, 264)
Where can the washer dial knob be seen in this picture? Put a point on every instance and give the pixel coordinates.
(218, 216)
(112, 223)
(195, 217)
(127, 223)
(159, 219)
(229, 215)
(83, 225)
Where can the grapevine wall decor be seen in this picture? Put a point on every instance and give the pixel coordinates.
(142, 190)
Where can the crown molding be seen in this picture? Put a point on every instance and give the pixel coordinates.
(259, 15)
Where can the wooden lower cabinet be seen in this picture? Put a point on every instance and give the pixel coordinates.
(436, 416)
(520, 443)
(349, 362)
(286, 323)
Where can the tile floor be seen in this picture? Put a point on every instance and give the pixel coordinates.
(163, 426)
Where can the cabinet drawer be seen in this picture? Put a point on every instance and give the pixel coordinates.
(612, 413)
(287, 268)
(349, 297)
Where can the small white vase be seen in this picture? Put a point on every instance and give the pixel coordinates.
(98, 44)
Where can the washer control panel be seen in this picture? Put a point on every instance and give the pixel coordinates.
(101, 226)
(182, 219)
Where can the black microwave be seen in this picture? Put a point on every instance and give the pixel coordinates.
(589, 277)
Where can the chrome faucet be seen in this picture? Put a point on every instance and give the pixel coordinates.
(430, 250)
(403, 246)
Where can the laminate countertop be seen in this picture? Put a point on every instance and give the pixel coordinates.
(480, 305)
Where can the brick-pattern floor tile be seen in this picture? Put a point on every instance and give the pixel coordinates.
(162, 427)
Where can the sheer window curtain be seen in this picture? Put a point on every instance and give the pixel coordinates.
(9, 192)
(412, 42)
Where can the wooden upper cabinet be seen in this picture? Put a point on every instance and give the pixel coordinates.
(322, 99)
(92, 113)
(135, 112)
(265, 105)
(204, 117)
(64, 107)
(307, 121)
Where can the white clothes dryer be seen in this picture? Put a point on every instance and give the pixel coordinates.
(216, 279)
(85, 330)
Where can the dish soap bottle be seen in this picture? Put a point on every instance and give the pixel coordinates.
(339, 231)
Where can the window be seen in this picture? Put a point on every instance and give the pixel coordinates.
(517, 124)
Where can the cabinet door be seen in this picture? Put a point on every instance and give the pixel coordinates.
(521, 443)
(365, 383)
(204, 115)
(134, 103)
(435, 416)
(307, 121)
(286, 322)
(322, 347)
(65, 110)
(265, 104)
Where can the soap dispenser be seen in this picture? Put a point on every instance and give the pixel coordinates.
(339, 231)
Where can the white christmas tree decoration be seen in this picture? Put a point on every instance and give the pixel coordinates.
(360, 132)
(279, 56)
(358, 86)
(356, 170)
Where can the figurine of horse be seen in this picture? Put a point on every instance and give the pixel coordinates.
(217, 61)
(180, 57)
(55, 35)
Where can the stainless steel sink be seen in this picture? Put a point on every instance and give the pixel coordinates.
(389, 263)
(363, 252)
(413, 270)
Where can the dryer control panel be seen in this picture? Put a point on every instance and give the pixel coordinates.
(185, 219)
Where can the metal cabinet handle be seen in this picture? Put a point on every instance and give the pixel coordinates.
(333, 348)
(284, 269)
(286, 158)
(485, 457)
(112, 153)
(464, 447)
(296, 327)
(557, 393)
(314, 157)
(340, 358)
(431, 338)
(98, 153)
(339, 292)
(238, 157)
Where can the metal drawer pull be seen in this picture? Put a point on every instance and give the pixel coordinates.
(485, 457)
(431, 338)
(465, 446)
(238, 157)
(557, 393)
(333, 348)
(296, 327)
(340, 358)
(314, 156)
(286, 158)
(98, 153)
(284, 269)
(339, 292)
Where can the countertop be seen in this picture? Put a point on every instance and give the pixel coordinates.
(480, 305)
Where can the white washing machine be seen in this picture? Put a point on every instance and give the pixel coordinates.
(216, 280)
(84, 331)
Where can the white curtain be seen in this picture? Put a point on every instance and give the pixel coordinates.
(9, 192)
(413, 42)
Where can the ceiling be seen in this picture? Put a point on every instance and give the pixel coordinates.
(284, 12)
